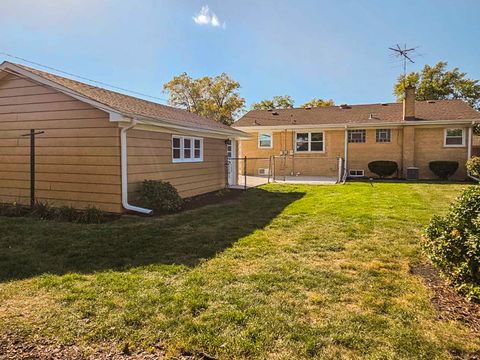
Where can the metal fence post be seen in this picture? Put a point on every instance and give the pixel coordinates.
(245, 173)
(269, 169)
(32, 135)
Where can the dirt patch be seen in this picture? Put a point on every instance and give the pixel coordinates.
(451, 305)
(16, 347)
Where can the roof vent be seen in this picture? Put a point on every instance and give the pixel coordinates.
(294, 121)
(431, 101)
(385, 104)
(308, 108)
(274, 113)
(269, 109)
(370, 117)
(345, 106)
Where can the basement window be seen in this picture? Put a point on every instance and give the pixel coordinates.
(454, 137)
(357, 136)
(383, 135)
(356, 173)
(187, 149)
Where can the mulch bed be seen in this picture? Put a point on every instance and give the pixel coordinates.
(450, 305)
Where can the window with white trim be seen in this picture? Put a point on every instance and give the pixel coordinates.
(383, 135)
(454, 137)
(187, 149)
(357, 136)
(265, 140)
(309, 142)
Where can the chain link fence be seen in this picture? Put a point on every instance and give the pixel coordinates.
(245, 172)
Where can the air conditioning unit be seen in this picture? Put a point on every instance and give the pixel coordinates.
(263, 171)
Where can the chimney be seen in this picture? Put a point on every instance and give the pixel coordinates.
(409, 103)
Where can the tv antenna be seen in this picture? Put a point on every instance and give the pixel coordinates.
(403, 53)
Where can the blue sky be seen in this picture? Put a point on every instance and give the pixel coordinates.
(326, 49)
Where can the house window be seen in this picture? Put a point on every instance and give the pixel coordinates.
(357, 136)
(187, 149)
(383, 135)
(309, 142)
(454, 137)
(264, 140)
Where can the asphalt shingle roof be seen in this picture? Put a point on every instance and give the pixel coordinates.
(130, 105)
(359, 114)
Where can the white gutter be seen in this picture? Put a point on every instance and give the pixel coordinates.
(124, 165)
(386, 125)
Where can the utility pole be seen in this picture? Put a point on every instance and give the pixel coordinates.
(32, 135)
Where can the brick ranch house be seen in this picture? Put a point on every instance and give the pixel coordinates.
(309, 141)
(99, 145)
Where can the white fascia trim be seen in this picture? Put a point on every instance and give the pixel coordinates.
(221, 134)
(124, 165)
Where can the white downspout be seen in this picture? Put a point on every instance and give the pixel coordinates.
(124, 165)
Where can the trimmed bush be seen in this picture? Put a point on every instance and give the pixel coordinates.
(160, 196)
(473, 166)
(383, 168)
(443, 169)
(452, 242)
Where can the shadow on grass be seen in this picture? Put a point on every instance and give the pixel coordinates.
(30, 247)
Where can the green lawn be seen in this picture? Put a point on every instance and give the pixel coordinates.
(283, 272)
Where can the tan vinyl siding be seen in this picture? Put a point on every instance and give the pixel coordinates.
(150, 158)
(78, 157)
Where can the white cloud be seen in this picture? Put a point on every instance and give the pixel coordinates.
(204, 17)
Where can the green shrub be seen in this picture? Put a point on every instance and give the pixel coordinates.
(473, 166)
(383, 168)
(160, 196)
(443, 169)
(43, 211)
(91, 215)
(67, 213)
(452, 242)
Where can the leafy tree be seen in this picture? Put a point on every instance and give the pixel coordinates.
(318, 103)
(277, 102)
(214, 97)
(438, 83)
